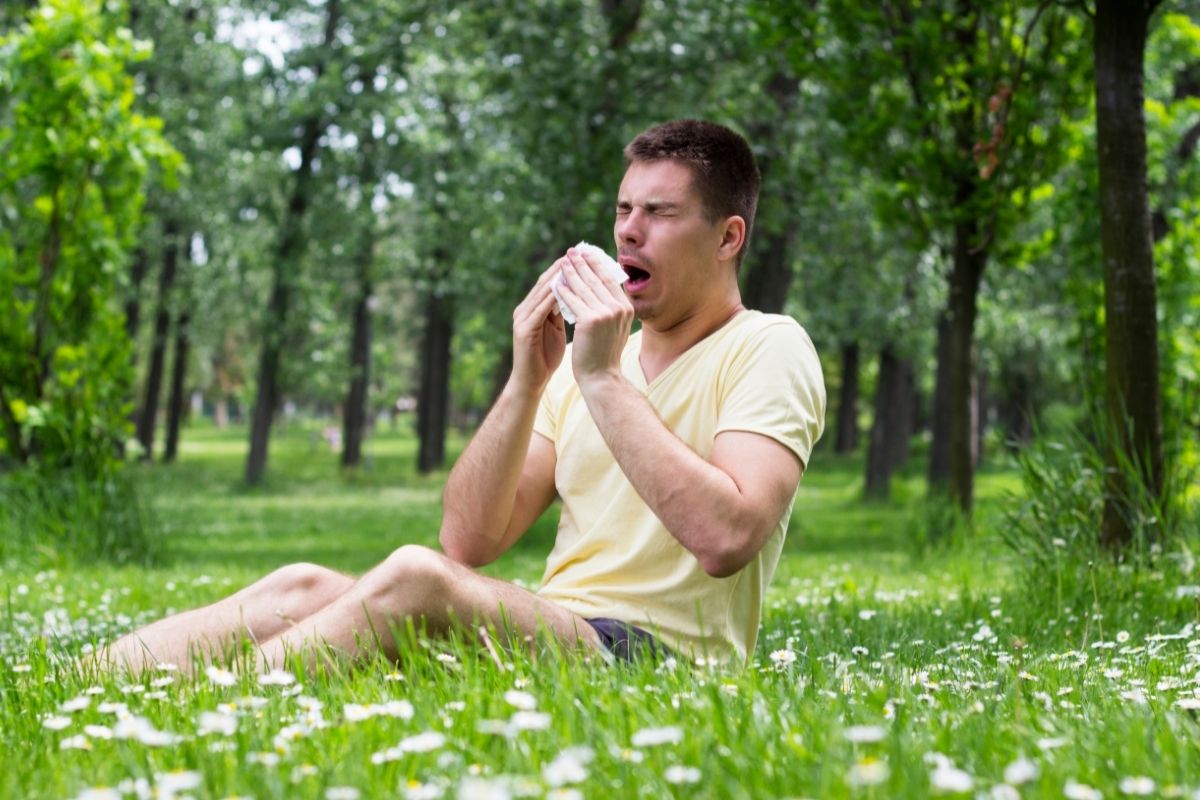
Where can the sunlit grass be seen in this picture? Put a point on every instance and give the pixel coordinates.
(886, 668)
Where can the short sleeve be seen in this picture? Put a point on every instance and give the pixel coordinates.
(550, 406)
(773, 386)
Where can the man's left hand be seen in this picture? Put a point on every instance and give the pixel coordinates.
(603, 318)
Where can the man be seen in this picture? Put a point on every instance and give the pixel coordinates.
(676, 451)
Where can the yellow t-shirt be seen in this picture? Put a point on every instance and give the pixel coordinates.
(612, 556)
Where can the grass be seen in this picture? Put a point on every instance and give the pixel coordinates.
(885, 668)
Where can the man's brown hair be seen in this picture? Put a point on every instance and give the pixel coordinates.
(722, 166)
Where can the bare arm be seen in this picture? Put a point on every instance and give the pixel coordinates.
(505, 477)
(722, 510)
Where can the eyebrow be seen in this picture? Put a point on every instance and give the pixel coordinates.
(651, 206)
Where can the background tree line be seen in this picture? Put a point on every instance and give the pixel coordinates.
(331, 206)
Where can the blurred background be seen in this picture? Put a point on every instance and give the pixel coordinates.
(318, 215)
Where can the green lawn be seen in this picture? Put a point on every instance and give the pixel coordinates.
(886, 667)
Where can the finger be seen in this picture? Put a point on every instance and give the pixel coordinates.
(535, 312)
(582, 279)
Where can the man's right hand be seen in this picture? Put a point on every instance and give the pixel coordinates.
(539, 335)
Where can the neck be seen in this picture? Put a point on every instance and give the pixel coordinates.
(662, 345)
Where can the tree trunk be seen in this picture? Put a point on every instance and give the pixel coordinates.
(354, 419)
(770, 275)
(177, 402)
(1133, 403)
(900, 435)
(979, 419)
(939, 420)
(148, 416)
(847, 419)
(890, 423)
(969, 262)
(288, 251)
(433, 398)
(133, 303)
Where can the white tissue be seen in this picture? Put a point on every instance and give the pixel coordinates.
(606, 265)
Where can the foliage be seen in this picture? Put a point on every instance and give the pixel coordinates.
(1053, 526)
(75, 155)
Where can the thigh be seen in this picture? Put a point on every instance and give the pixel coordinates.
(477, 599)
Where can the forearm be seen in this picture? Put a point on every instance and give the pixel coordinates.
(700, 504)
(482, 487)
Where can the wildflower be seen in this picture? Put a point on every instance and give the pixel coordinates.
(170, 784)
(341, 793)
(265, 759)
(569, 766)
(864, 734)
(529, 721)
(415, 790)
(782, 658)
(1021, 771)
(867, 613)
(482, 789)
(75, 704)
(1080, 791)
(221, 677)
(1122, 637)
(678, 774)
(446, 658)
(1002, 791)
(22, 668)
(166, 666)
(522, 700)
(79, 742)
(868, 772)
(98, 731)
(1139, 785)
(223, 724)
(99, 793)
(1189, 703)
(166, 680)
(304, 771)
(276, 677)
(55, 723)
(648, 737)
(1052, 743)
(860, 651)
(949, 778)
(564, 794)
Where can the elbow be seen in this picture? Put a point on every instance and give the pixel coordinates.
(722, 562)
(731, 549)
(457, 548)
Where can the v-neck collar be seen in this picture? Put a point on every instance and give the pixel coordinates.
(637, 374)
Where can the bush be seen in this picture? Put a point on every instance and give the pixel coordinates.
(1054, 528)
(70, 515)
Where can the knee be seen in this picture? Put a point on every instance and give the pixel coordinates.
(413, 571)
(302, 579)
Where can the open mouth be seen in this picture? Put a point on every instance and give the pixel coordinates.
(638, 278)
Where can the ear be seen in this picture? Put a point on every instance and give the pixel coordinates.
(733, 236)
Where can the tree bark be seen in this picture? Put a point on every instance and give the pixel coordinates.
(847, 415)
(148, 417)
(433, 398)
(969, 261)
(770, 278)
(133, 303)
(939, 447)
(1133, 399)
(354, 418)
(891, 425)
(288, 250)
(177, 402)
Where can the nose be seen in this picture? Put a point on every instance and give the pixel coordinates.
(628, 228)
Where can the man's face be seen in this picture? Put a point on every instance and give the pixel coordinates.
(665, 243)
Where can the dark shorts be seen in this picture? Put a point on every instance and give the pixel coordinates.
(627, 642)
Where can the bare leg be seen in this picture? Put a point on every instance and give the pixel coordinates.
(421, 584)
(259, 611)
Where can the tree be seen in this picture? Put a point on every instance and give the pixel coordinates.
(76, 156)
(1133, 401)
